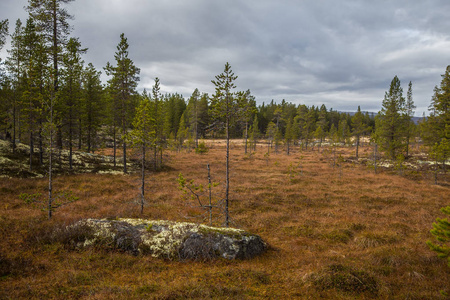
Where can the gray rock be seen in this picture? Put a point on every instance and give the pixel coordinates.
(171, 240)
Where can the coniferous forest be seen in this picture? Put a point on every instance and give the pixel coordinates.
(344, 200)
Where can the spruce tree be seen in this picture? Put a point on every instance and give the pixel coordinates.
(389, 123)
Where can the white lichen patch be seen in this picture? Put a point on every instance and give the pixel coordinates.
(6, 161)
(111, 172)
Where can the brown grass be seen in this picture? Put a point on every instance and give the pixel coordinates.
(324, 230)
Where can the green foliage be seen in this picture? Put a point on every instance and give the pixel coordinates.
(143, 133)
(441, 231)
(390, 123)
(3, 32)
(202, 148)
(399, 166)
(198, 195)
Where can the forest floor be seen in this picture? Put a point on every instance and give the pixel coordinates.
(335, 229)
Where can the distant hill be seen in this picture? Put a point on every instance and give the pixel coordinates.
(351, 113)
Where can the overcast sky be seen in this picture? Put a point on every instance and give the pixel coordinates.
(338, 53)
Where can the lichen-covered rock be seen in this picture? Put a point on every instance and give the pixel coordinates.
(170, 240)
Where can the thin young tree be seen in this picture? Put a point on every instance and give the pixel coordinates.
(142, 135)
(247, 107)
(159, 125)
(359, 128)
(224, 107)
(193, 108)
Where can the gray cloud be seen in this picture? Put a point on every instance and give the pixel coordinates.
(339, 53)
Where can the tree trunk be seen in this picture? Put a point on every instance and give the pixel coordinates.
(70, 141)
(31, 149)
(114, 144)
(143, 179)
(41, 146)
(210, 195)
(246, 136)
(375, 158)
(227, 185)
(357, 145)
(50, 182)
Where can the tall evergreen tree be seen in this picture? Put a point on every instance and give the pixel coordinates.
(34, 92)
(409, 113)
(390, 125)
(436, 130)
(123, 84)
(15, 66)
(52, 19)
(93, 112)
(4, 24)
(71, 92)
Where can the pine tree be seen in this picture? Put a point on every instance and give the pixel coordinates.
(93, 112)
(359, 128)
(15, 66)
(34, 92)
(158, 114)
(182, 132)
(224, 107)
(71, 92)
(4, 24)
(436, 129)
(409, 113)
(289, 135)
(123, 85)
(247, 108)
(441, 231)
(52, 19)
(390, 125)
(254, 133)
(193, 108)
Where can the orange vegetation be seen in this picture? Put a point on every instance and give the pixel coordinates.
(314, 217)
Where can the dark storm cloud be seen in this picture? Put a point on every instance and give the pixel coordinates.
(340, 53)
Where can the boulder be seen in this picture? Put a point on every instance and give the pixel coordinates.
(168, 240)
